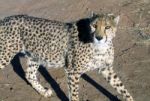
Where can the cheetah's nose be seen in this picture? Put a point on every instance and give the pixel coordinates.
(98, 38)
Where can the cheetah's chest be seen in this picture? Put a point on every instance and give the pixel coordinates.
(103, 56)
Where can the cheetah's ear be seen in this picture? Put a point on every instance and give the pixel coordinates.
(93, 14)
(94, 19)
(116, 19)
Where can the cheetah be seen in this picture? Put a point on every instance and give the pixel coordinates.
(78, 46)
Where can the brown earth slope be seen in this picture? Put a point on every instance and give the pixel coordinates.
(132, 50)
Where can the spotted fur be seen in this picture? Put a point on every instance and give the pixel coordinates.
(78, 47)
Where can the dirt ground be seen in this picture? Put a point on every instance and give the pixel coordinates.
(132, 51)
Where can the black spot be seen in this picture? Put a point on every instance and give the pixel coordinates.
(121, 91)
(124, 91)
(107, 64)
(13, 23)
(3, 64)
(74, 90)
(121, 84)
(74, 94)
(84, 30)
(73, 85)
(34, 77)
(110, 73)
(69, 83)
(102, 69)
(117, 85)
(109, 78)
(76, 83)
(115, 76)
(127, 96)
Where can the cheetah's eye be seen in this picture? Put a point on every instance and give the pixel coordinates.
(107, 27)
(95, 26)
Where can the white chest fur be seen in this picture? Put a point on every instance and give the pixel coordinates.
(103, 55)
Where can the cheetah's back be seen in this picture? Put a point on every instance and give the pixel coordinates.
(44, 40)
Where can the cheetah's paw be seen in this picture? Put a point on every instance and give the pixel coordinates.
(130, 99)
(48, 93)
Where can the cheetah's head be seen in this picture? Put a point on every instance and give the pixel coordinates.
(104, 26)
(98, 26)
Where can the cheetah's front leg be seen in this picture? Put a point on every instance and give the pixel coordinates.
(116, 83)
(32, 79)
(73, 84)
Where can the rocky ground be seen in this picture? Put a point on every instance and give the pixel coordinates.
(132, 50)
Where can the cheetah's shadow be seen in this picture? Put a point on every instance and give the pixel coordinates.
(60, 94)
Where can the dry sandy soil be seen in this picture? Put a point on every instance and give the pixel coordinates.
(132, 50)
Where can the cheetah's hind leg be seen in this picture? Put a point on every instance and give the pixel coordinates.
(4, 60)
(32, 78)
(116, 83)
(6, 55)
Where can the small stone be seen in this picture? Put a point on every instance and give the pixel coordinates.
(11, 88)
